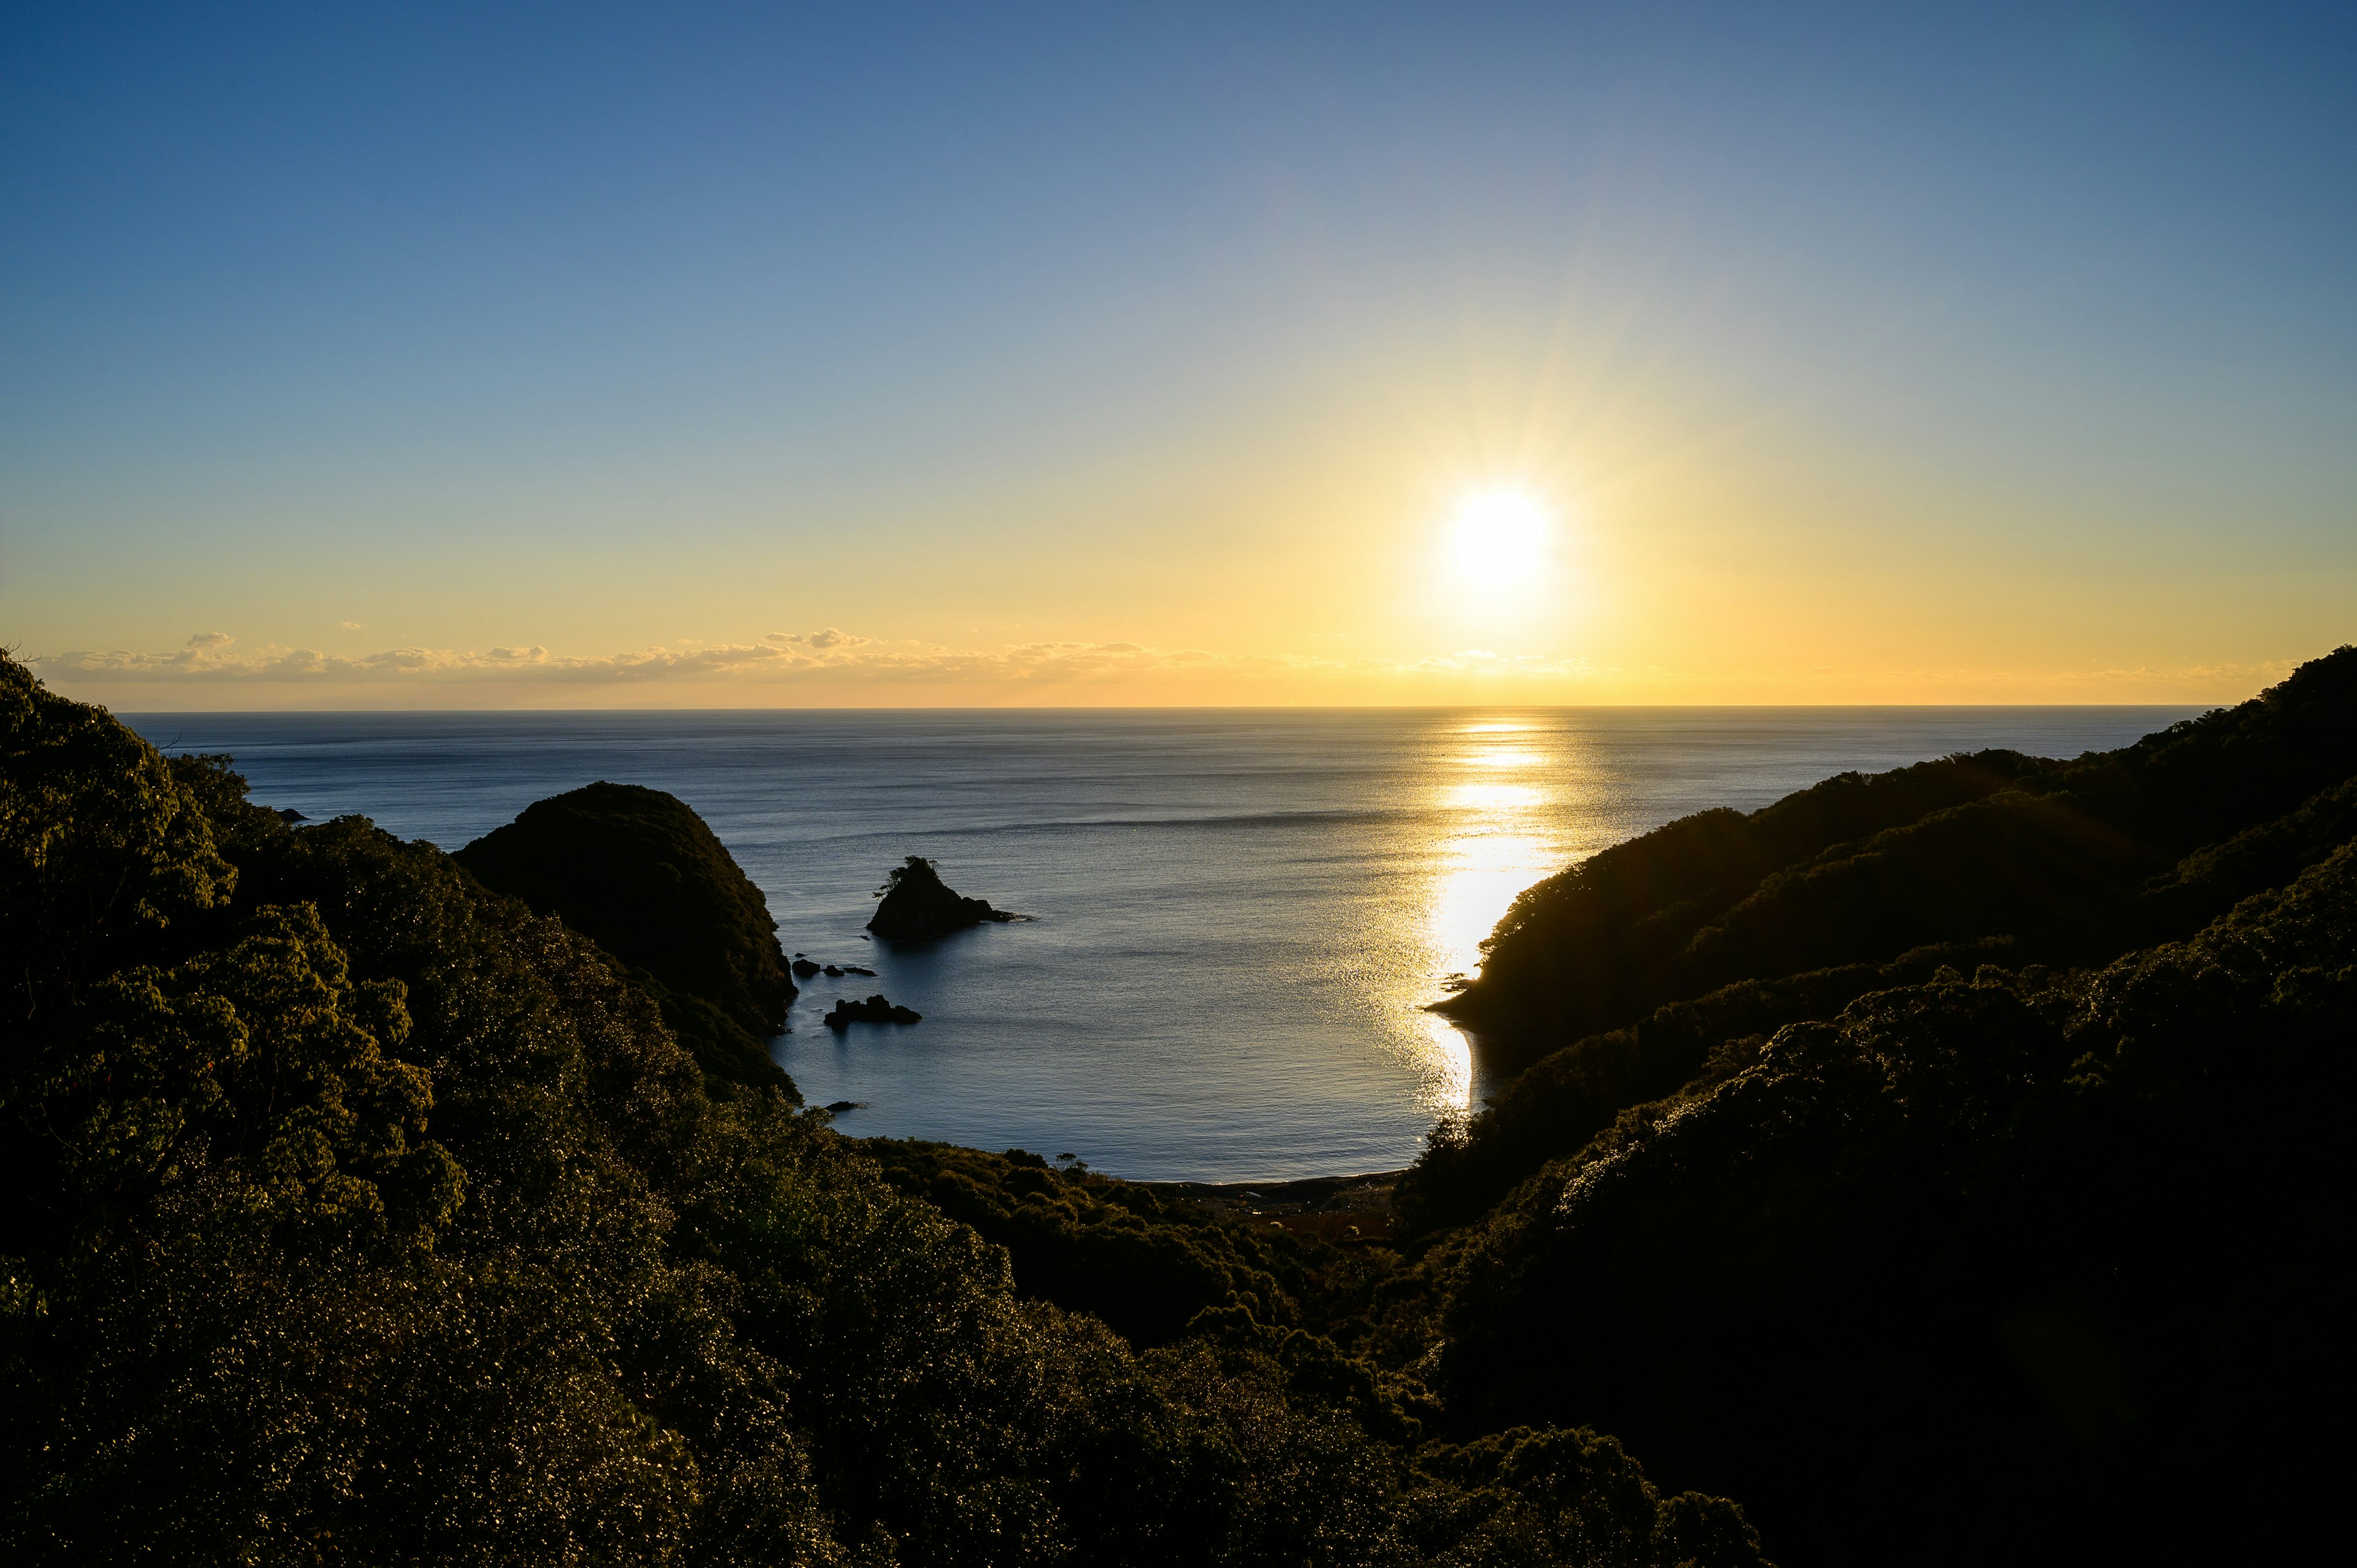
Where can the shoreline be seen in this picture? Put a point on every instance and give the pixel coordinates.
(1331, 1208)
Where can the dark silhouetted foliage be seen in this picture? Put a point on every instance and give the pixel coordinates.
(1146, 1264)
(1859, 869)
(640, 874)
(1566, 1099)
(1604, 943)
(1979, 1269)
(359, 1213)
(1946, 1163)
(1619, 977)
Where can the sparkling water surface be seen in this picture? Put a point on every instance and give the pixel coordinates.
(1238, 915)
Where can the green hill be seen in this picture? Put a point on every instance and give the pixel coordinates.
(1613, 982)
(1946, 1163)
(2023, 1266)
(640, 874)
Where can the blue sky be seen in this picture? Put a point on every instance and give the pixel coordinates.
(1861, 353)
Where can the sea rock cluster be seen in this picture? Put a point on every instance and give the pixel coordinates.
(874, 1010)
(804, 968)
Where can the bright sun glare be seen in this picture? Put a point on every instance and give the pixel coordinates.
(1497, 536)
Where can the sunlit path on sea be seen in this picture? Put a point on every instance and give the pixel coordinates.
(1500, 822)
(1241, 916)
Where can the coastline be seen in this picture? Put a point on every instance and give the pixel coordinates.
(1339, 1209)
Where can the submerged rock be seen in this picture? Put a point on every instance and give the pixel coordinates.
(855, 968)
(918, 905)
(874, 1010)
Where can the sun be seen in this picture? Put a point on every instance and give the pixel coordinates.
(1498, 537)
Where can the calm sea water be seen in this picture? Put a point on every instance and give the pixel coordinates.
(1239, 915)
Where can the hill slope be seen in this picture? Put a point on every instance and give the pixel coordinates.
(639, 872)
(1972, 1268)
(1964, 1186)
(1860, 869)
(1613, 982)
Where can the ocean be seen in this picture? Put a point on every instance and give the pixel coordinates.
(1237, 916)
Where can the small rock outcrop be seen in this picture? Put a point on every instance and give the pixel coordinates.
(874, 1010)
(919, 905)
(803, 969)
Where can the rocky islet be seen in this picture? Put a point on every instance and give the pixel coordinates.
(917, 905)
(874, 1010)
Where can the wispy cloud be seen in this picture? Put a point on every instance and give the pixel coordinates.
(832, 666)
(212, 657)
(829, 638)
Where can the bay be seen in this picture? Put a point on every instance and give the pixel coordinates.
(1237, 914)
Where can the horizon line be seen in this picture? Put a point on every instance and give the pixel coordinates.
(1138, 708)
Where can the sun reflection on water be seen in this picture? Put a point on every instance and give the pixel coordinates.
(1493, 841)
(1480, 875)
(1492, 797)
(1451, 1065)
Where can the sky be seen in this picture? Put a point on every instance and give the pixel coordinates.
(680, 355)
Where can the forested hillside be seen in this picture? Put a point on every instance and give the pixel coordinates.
(1613, 983)
(2004, 1257)
(359, 1213)
(1966, 1187)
